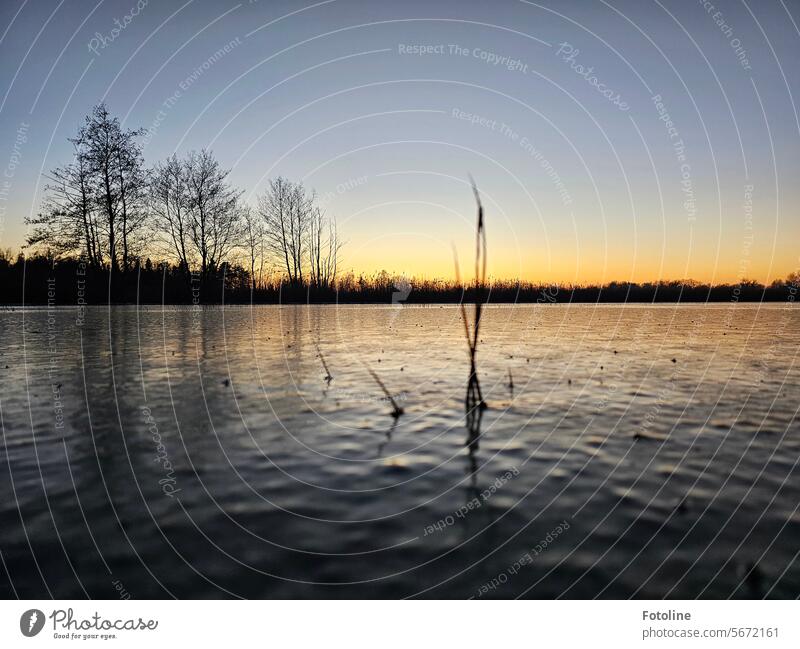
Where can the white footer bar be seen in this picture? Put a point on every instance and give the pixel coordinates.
(400, 625)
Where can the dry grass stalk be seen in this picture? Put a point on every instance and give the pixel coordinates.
(474, 394)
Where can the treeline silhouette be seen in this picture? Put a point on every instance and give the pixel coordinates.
(109, 210)
(41, 280)
(113, 230)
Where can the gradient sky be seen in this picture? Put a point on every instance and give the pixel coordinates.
(327, 93)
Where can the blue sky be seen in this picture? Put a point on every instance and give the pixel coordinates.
(385, 108)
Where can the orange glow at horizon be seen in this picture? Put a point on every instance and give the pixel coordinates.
(429, 258)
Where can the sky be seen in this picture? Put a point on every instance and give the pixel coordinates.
(620, 140)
